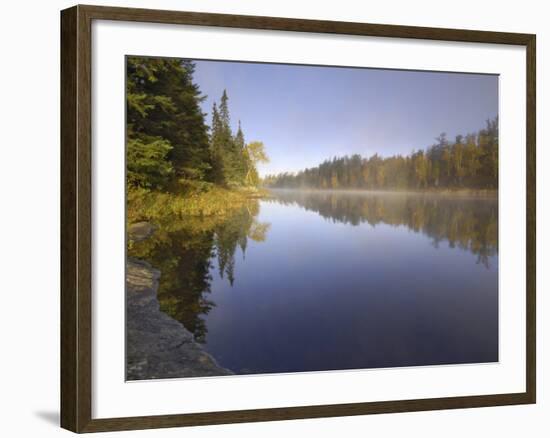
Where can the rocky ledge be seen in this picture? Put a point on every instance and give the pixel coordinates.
(158, 346)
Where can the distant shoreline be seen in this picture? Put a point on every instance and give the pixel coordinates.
(490, 193)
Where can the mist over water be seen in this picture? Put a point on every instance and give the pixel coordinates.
(307, 281)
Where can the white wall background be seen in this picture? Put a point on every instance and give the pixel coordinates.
(29, 218)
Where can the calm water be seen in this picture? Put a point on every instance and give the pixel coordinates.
(325, 280)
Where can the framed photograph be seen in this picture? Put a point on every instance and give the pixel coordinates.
(271, 218)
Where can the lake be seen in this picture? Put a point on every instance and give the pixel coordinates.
(310, 281)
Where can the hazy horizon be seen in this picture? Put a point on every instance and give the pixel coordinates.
(306, 114)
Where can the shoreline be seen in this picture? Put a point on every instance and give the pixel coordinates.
(158, 346)
(157, 206)
(490, 193)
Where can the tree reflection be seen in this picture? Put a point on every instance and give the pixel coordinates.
(469, 223)
(187, 250)
(184, 252)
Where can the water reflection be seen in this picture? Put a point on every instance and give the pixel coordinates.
(466, 222)
(185, 252)
(197, 253)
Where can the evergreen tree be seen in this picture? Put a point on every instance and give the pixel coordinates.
(217, 148)
(167, 135)
(230, 163)
(168, 145)
(240, 162)
(222, 144)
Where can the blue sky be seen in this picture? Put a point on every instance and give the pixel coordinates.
(305, 114)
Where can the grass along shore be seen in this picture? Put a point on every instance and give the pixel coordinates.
(162, 207)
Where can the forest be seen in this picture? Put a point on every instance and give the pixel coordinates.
(197, 183)
(468, 162)
(171, 150)
(365, 248)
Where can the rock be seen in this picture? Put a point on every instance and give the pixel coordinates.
(158, 346)
(140, 231)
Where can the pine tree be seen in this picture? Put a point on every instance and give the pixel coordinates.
(216, 148)
(168, 144)
(240, 162)
(167, 134)
(229, 161)
(221, 143)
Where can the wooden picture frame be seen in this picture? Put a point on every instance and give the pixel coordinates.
(76, 217)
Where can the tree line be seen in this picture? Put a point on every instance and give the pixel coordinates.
(169, 144)
(469, 161)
